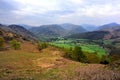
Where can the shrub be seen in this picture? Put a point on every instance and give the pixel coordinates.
(92, 57)
(15, 44)
(104, 60)
(78, 55)
(70, 48)
(42, 45)
(67, 53)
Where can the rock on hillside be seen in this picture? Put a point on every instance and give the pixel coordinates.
(8, 35)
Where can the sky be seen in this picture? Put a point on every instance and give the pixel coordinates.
(41, 12)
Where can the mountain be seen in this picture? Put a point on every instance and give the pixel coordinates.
(4, 33)
(19, 30)
(95, 35)
(116, 33)
(9, 35)
(68, 26)
(77, 29)
(113, 28)
(56, 30)
(72, 28)
(22, 31)
(26, 26)
(109, 27)
(106, 32)
(89, 27)
(48, 31)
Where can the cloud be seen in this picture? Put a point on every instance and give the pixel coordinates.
(36, 12)
(105, 10)
(36, 6)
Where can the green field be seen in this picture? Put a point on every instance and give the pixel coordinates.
(87, 47)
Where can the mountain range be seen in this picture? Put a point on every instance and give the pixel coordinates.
(89, 27)
(26, 26)
(107, 31)
(72, 28)
(56, 30)
(109, 26)
(67, 30)
(48, 31)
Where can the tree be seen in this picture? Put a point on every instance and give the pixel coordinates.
(1, 42)
(42, 45)
(68, 52)
(70, 49)
(15, 44)
(92, 57)
(78, 55)
(104, 60)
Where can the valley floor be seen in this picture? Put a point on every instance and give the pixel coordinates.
(48, 64)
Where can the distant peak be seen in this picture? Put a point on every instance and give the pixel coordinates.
(67, 24)
(16, 26)
(114, 23)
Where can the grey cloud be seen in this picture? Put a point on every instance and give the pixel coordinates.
(66, 12)
(8, 5)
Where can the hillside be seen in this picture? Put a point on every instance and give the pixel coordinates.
(19, 30)
(28, 63)
(8, 35)
(48, 31)
(72, 28)
(59, 39)
(49, 64)
(45, 32)
(113, 28)
(107, 31)
(95, 35)
(26, 26)
(109, 27)
(90, 27)
(76, 30)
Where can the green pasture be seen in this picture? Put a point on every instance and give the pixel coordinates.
(91, 48)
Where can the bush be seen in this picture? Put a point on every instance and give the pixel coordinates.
(1, 42)
(42, 45)
(92, 57)
(104, 60)
(15, 44)
(78, 55)
(67, 53)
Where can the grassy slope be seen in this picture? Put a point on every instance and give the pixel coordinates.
(87, 48)
(29, 64)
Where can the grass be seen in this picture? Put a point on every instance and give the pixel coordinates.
(94, 48)
(85, 47)
(77, 71)
(17, 64)
(48, 64)
(25, 65)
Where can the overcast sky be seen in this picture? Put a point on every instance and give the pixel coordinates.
(38, 12)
